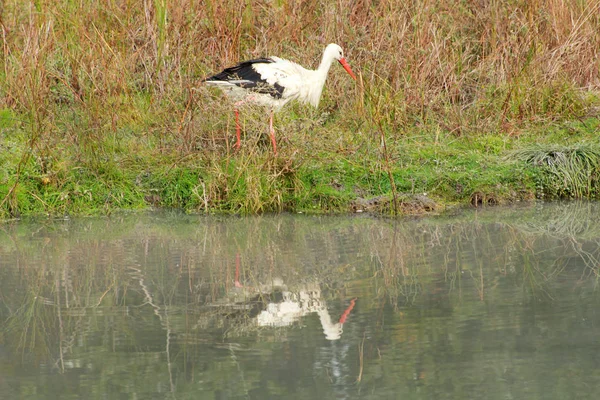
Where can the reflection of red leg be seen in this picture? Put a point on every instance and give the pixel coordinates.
(347, 311)
(237, 271)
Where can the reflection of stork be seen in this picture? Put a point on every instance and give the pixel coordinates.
(300, 303)
(289, 306)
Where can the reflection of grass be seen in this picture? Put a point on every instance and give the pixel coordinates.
(534, 245)
(186, 267)
(574, 225)
(31, 328)
(169, 286)
(562, 220)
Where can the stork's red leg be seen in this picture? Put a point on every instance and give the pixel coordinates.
(237, 122)
(272, 133)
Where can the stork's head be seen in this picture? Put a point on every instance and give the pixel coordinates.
(337, 53)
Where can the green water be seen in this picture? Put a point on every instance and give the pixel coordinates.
(495, 304)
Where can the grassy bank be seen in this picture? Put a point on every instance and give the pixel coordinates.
(101, 107)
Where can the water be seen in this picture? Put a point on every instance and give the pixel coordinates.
(492, 304)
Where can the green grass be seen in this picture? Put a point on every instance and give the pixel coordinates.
(564, 171)
(450, 170)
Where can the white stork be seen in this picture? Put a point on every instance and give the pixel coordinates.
(273, 82)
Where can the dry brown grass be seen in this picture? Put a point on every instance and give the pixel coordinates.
(463, 65)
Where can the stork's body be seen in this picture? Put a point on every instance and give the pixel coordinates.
(273, 82)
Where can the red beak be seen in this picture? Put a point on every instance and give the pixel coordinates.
(347, 67)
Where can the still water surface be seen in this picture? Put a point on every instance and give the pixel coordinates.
(492, 304)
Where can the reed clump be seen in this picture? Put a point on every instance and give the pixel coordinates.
(112, 89)
(564, 171)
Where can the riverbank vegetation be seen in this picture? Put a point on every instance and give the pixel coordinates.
(101, 106)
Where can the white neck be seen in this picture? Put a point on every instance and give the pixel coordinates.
(312, 93)
(326, 60)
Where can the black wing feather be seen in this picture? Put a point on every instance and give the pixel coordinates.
(250, 79)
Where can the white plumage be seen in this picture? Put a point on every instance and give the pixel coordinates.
(273, 82)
